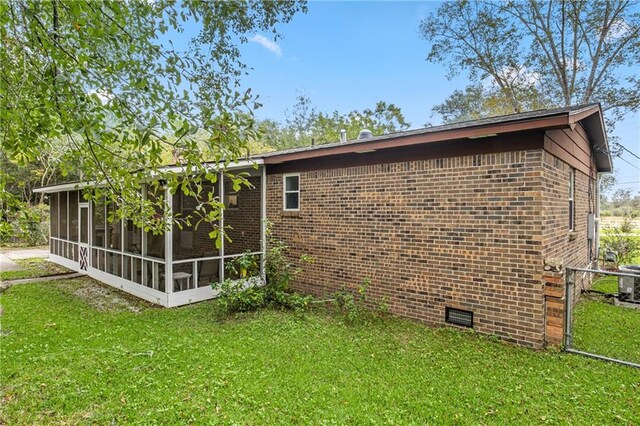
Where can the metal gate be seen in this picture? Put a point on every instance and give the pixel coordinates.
(583, 316)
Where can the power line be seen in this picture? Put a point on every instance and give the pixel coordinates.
(627, 149)
(629, 163)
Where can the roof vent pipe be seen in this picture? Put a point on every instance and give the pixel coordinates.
(365, 134)
(343, 135)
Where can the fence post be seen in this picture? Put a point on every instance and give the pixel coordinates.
(569, 280)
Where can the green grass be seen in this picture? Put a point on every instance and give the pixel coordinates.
(600, 327)
(71, 356)
(33, 268)
(606, 284)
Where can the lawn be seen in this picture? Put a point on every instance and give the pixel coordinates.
(607, 284)
(75, 351)
(33, 268)
(602, 328)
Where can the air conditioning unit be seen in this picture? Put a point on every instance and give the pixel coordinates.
(629, 287)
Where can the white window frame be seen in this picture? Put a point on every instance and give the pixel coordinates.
(572, 202)
(285, 192)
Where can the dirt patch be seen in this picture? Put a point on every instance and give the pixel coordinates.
(106, 299)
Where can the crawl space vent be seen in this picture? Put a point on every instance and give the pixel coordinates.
(458, 317)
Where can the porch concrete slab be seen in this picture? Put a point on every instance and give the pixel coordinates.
(6, 284)
(28, 253)
(6, 264)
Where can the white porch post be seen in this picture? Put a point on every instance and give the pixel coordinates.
(168, 246)
(221, 225)
(263, 221)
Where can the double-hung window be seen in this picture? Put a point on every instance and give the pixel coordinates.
(572, 189)
(291, 192)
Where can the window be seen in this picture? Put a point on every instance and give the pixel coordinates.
(291, 199)
(572, 185)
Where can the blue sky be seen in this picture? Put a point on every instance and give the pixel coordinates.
(349, 55)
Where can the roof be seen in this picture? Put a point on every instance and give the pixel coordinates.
(590, 115)
(176, 168)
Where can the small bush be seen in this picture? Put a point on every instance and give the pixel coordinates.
(27, 224)
(235, 296)
(621, 240)
(352, 306)
(6, 232)
(248, 292)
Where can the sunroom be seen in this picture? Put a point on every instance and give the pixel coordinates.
(170, 269)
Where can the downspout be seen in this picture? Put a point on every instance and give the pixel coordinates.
(597, 220)
(263, 220)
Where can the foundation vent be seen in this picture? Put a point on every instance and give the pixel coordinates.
(458, 317)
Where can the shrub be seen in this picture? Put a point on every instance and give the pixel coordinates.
(6, 231)
(243, 295)
(29, 221)
(25, 223)
(236, 296)
(352, 306)
(620, 239)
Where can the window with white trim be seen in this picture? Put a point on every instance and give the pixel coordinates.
(291, 192)
(572, 185)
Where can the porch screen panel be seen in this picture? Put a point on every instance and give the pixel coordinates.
(84, 231)
(99, 224)
(114, 263)
(193, 241)
(132, 237)
(54, 212)
(73, 216)
(155, 243)
(208, 272)
(63, 215)
(114, 228)
(242, 220)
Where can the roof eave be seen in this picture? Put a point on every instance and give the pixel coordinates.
(557, 121)
(240, 164)
(594, 125)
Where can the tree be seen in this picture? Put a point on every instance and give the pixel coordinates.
(607, 182)
(384, 118)
(620, 239)
(304, 123)
(523, 55)
(106, 80)
(478, 101)
(621, 197)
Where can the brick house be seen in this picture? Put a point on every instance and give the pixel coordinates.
(468, 223)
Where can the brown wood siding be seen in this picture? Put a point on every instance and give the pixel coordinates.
(447, 149)
(572, 147)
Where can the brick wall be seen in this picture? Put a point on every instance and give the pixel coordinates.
(562, 247)
(244, 224)
(462, 232)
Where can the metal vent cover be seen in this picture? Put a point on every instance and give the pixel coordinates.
(458, 317)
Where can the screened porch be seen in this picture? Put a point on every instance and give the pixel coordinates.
(170, 269)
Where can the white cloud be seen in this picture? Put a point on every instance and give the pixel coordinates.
(619, 28)
(270, 45)
(103, 95)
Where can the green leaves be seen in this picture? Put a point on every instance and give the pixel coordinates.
(97, 78)
(304, 124)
